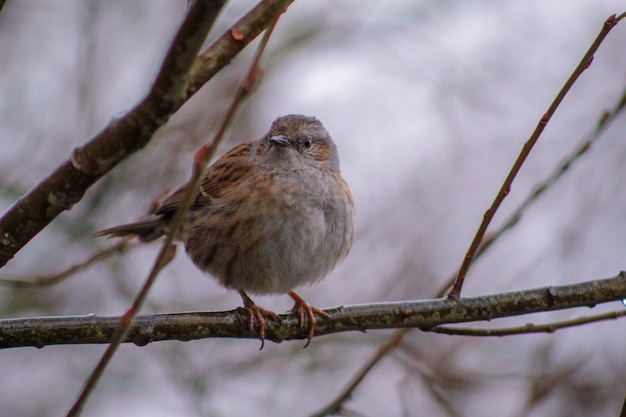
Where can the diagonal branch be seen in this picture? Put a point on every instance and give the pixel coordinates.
(122, 137)
(201, 160)
(178, 78)
(424, 314)
(168, 91)
(337, 405)
(607, 118)
(568, 161)
(584, 63)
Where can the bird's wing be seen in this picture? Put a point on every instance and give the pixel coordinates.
(220, 176)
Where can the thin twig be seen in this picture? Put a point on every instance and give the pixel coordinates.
(199, 18)
(603, 123)
(122, 328)
(366, 368)
(247, 85)
(165, 256)
(527, 328)
(201, 160)
(45, 280)
(585, 62)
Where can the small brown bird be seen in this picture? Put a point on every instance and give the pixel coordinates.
(269, 215)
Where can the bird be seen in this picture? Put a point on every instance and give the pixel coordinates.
(269, 215)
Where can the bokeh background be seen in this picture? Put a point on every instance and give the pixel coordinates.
(429, 103)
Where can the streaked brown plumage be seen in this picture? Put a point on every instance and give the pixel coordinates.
(270, 215)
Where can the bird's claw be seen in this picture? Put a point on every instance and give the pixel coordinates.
(300, 308)
(258, 314)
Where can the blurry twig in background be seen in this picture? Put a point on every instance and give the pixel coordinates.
(201, 160)
(45, 280)
(545, 385)
(603, 123)
(623, 413)
(337, 405)
(441, 379)
(165, 257)
(584, 63)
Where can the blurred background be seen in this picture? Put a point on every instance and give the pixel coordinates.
(429, 103)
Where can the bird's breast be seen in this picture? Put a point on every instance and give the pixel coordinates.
(287, 231)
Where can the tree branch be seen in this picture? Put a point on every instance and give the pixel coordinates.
(424, 314)
(584, 63)
(168, 249)
(178, 78)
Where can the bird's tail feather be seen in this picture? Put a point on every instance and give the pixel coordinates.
(146, 230)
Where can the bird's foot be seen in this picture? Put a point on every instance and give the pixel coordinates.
(258, 314)
(300, 308)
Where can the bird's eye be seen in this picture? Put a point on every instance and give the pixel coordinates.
(307, 143)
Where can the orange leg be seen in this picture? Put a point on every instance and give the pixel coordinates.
(257, 313)
(300, 307)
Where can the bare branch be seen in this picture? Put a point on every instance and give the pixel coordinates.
(584, 63)
(395, 339)
(227, 46)
(168, 91)
(121, 329)
(423, 314)
(603, 123)
(178, 79)
(201, 160)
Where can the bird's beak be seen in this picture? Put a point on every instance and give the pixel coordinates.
(279, 140)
